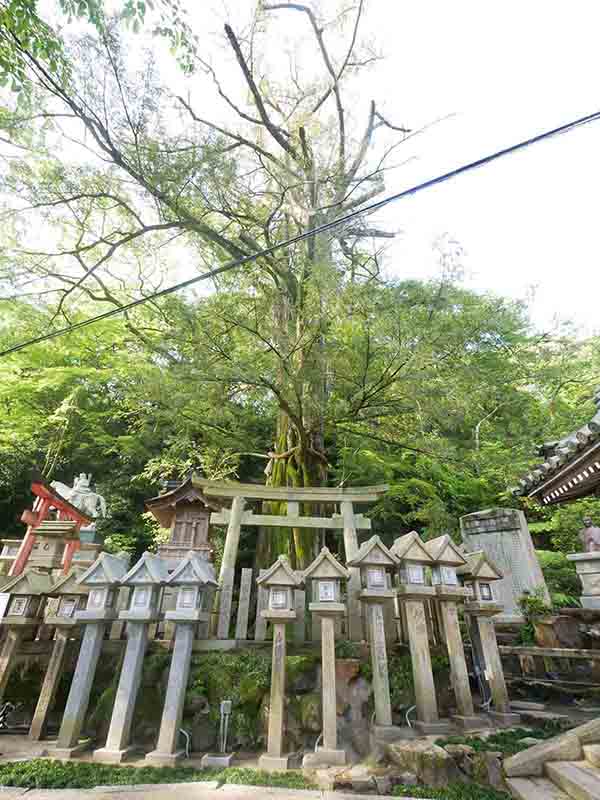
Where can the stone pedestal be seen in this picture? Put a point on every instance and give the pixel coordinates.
(425, 696)
(119, 733)
(485, 632)
(166, 748)
(328, 754)
(219, 760)
(588, 572)
(465, 716)
(52, 678)
(79, 696)
(379, 665)
(274, 759)
(7, 656)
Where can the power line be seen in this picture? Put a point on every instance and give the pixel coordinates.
(238, 262)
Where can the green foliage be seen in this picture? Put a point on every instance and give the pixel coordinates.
(48, 774)
(533, 605)
(240, 676)
(344, 648)
(508, 741)
(454, 791)
(561, 578)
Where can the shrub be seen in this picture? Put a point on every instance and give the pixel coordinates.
(507, 742)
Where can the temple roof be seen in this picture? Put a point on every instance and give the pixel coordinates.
(571, 468)
(163, 507)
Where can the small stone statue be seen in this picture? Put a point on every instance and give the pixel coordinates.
(589, 536)
(81, 496)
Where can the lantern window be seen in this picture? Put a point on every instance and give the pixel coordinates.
(376, 578)
(486, 591)
(279, 598)
(141, 596)
(187, 598)
(19, 606)
(326, 591)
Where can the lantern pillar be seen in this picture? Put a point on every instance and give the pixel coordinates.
(7, 656)
(487, 644)
(52, 678)
(167, 753)
(193, 576)
(413, 597)
(67, 743)
(379, 665)
(449, 598)
(280, 581)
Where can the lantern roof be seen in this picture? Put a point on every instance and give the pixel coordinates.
(374, 552)
(326, 566)
(29, 582)
(69, 583)
(58, 529)
(106, 570)
(480, 566)
(150, 569)
(444, 551)
(410, 547)
(280, 574)
(193, 570)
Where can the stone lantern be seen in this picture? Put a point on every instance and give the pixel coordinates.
(478, 576)
(376, 562)
(70, 597)
(101, 580)
(413, 592)
(280, 582)
(194, 580)
(326, 575)
(447, 559)
(145, 579)
(24, 613)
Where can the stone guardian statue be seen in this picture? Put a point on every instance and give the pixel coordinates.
(589, 536)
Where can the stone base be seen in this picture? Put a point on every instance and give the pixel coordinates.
(157, 759)
(324, 758)
(70, 752)
(273, 763)
(590, 601)
(217, 759)
(389, 733)
(470, 723)
(112, 756)
(504, 719)
(431, 728)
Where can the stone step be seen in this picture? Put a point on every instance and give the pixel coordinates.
(535, 789)
(530, 763)
(592, 754)
(577, 778)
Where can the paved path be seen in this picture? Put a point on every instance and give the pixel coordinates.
(182, 791)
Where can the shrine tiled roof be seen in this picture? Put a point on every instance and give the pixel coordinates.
(571, 467)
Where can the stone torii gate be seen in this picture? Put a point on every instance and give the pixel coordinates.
(346, 520)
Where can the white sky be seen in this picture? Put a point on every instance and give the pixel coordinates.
(527, 223)
(505, 72)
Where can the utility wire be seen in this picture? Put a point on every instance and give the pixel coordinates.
(238, 262)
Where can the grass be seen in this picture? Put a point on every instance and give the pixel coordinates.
(507, 742)
(454, 791)
(42, 773)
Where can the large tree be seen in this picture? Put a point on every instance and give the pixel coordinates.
(122, 178)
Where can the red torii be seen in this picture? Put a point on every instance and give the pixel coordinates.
(45, 499)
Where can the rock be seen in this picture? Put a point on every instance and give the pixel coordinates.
(357, 779)
(383, 784)
(203, 731)
(408, 779)
(310, 712)
(530, 741)
(431, 764)
(530, 762)
(487, 769)
(459, 751)
(304, 679)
